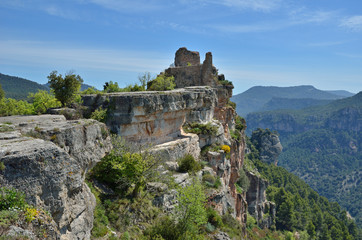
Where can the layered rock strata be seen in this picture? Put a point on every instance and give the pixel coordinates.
(155, 117)
(47, 157)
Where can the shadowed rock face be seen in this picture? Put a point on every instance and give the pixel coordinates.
(268, 144)
(47, 157)
(155, 117)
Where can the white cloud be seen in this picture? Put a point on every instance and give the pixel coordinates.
(27, 53)
(132, 6)
(256, 5)
(352, 23)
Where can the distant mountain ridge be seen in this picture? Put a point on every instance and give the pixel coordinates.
(19, 88)
(323, 146)
(257, 98)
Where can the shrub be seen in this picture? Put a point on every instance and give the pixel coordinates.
(243, 180)
(213, 217)
(191, 210)
(198, 128)
(225, 148)
(189, 164)
(164, 227)
(7, 217)
(161, 83)
(211, 181)
(127, 166)
(10, 198)
(99, 114)
(31, 214)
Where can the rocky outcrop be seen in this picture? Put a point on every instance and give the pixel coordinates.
(47, 158)
(189, 72)
(155, 117)
(268, 144)
(258, 206)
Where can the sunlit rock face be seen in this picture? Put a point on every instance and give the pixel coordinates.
(47, 157)
(155, 117)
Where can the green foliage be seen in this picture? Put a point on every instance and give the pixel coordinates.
(110, 87)
(10, 198)
(164, 228)
(144, 79)
(231, 104)
(211, 181)
(31, 214)
(99, 114)
(91, 90)
(188, 164)
(191, 210)
(243, 180)
(43, 100)
(298, 207)
(9, 106)
(2, 93)
(161, 83)
(198, 128)
(125, 166)
(213, 217)
(65, 89)
(7, 218)
(19, 88)
(225, 82)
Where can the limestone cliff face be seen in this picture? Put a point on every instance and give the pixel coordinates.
(47, 157)
(258, 206)
(158, 117)
(155, 117)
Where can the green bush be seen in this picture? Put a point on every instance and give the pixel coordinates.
(99, 114)
(10, 198)
(161, 83)
(213, 217)
(198, 128)
(189, 164)
(211, 181)
(243, 180)
(164, 227)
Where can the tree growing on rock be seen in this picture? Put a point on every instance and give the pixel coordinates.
(65, 88)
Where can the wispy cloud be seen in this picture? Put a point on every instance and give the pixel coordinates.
(130, 6)
(293, 18)
(352, 23)
(256, 5)
(52, 54)
(326, 44)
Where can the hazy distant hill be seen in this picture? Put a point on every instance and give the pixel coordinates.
(82, 87)
(255, 98)
(292, 103)
(19, 88)
(323, 146)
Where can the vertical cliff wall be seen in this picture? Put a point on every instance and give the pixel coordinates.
(47, 157)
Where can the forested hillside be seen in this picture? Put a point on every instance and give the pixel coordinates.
(298, 206)
(19, 88)
(323, 146)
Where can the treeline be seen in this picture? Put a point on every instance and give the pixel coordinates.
(307, 154)
(65, 91)
(299, 208)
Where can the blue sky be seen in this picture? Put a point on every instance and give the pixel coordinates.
(254, 42)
